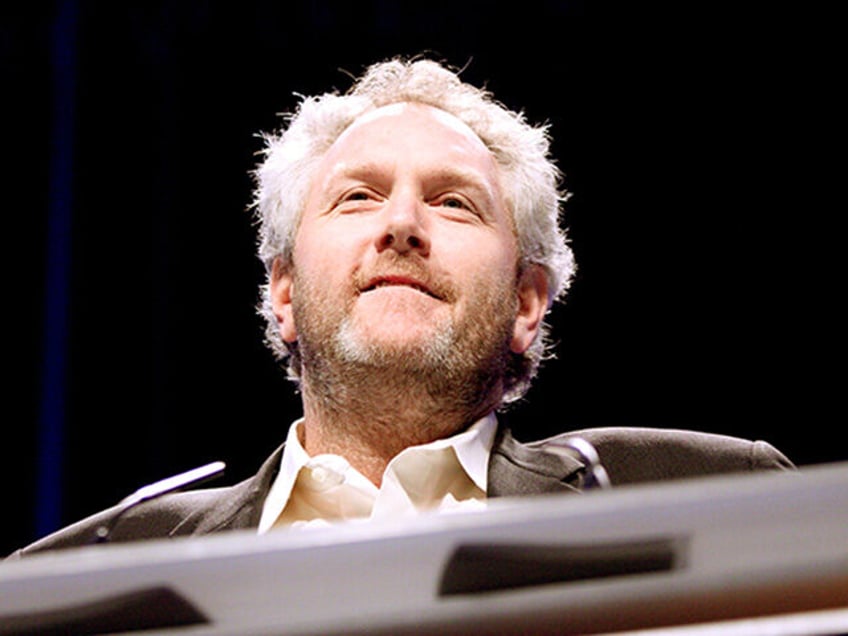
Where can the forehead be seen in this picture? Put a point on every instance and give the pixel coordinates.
(410, 111)
(412, 130)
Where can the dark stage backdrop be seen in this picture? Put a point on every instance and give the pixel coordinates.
(707, 291)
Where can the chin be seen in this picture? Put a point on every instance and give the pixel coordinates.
(396, 342)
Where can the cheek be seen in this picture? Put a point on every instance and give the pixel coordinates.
(493, 263)
(490, 289)
(337, 239)
(316, 253)
(323, 274)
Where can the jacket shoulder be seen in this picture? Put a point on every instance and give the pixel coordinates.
(180, 514)
(170, 515)
(634, 455)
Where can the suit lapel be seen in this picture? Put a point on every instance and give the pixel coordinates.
(238, 507)
(517, 469)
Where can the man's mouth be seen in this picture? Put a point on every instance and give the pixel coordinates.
(379, 282)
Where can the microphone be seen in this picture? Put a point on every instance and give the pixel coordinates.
(192, 477)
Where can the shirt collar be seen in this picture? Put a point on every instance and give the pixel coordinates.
(294, 458)
(472, 448)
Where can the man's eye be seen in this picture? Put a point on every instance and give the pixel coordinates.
(454, 202)
(357, 196)
(356, 201)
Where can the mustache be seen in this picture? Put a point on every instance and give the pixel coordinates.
(403, 270)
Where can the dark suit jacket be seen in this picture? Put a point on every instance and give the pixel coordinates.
(629, 455)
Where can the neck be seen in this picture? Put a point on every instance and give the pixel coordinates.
(371, 417)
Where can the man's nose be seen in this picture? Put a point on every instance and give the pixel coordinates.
(403, 228)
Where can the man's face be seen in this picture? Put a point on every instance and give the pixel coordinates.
(405, 253)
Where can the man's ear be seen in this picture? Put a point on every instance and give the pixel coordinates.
(280, 289)
(532, 307)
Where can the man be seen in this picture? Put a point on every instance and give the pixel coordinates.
(410, 231)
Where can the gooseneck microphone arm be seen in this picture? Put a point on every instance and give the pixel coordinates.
(190, 478)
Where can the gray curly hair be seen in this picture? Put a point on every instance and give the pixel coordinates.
(530, 180)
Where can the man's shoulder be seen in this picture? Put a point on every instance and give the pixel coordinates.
(168, 516)
(636, 454)
(194, 512)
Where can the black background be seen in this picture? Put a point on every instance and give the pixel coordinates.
(695, 147)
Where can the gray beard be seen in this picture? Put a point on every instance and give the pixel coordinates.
(421, 392)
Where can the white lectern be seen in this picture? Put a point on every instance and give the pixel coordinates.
(750, 551)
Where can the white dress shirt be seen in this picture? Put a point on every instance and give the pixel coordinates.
(446, 475)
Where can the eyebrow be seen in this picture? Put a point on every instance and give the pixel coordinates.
(362, 171)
